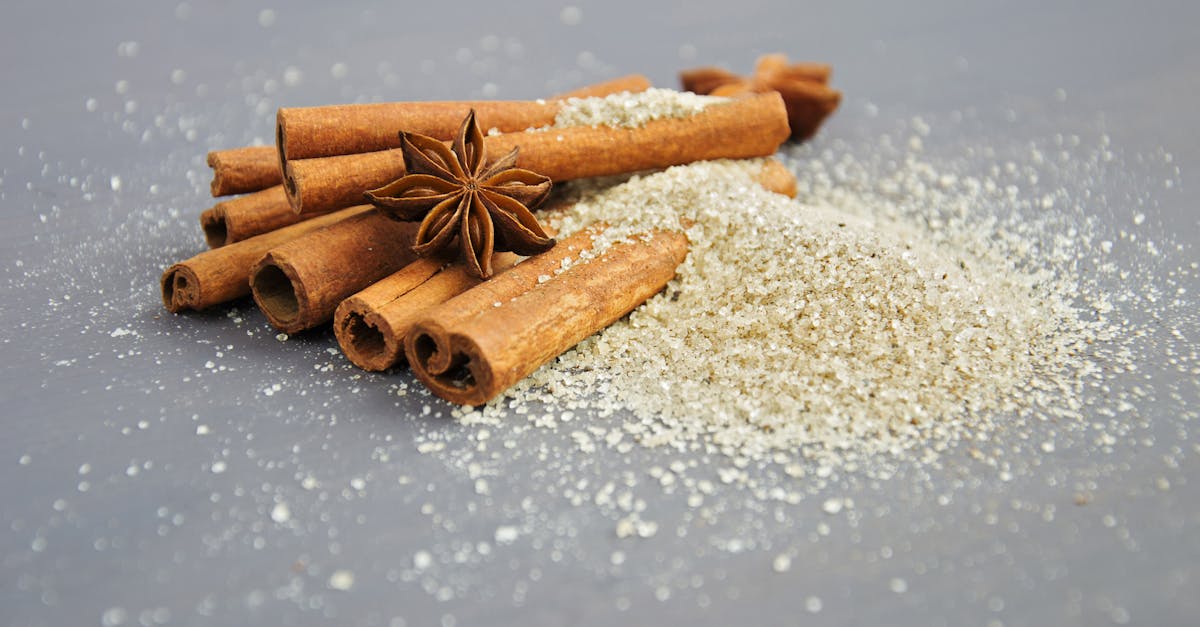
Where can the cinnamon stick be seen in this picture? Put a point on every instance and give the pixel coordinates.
(253, 168)
(244, 217)
(753, 126)
(475, 345)
(242, 170)
(220, 275)
(372, 324)
(299, 283)
(311, 132)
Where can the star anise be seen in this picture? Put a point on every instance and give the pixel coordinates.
(457, 196)
(803, 86)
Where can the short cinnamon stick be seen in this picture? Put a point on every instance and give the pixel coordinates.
(243, 170)
(244, 217)
(474, 346)
(311, 132)
(372, 324)
(753, 126)
(220, 275)
(299, 283)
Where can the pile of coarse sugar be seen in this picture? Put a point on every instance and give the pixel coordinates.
(632, 110)
(832, 327)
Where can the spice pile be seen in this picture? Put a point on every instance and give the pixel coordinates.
(822, 327)
(408, 279)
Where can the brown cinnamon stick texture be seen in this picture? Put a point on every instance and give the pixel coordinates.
(371, 325)
(474, 346)
(254, 168)
(310, 132)
(220, 275)
(753, 126)
(244, 217)
(299, 284)
(243, 170)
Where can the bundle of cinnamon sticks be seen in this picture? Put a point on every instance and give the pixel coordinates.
(300, 241)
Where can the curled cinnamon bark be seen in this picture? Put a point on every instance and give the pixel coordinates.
(803, 86)
(253, 168)
(221, 275)
(474, 346)
(243, 170)
(371, 325)
(244, 217)
(299, 283)
(310, 132)
(753, 126)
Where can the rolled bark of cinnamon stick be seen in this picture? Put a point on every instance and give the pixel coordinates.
(246, 216)
(753, 126)
(475, 345)
(372, 324)
(299, 284)
(243, 170)
(311, 132)
(254, 168)
(220, 275)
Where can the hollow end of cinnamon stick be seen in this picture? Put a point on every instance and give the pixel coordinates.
(180, 288)
(450, 365)
(469, 354)
(367, 339)
(216, 231)
(278, 292)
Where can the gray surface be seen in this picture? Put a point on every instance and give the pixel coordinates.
(94, 372)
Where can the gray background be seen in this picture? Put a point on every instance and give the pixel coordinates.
(117, 416)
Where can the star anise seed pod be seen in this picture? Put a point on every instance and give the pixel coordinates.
(457, 196)
(803, 86)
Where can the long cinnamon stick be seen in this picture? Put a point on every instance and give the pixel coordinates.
(299, 283)
(475, 345)
(310, 132)
(253, 168)
(242, 170)
(753, 126)
(244, 217)
(372, 324)
(222, 274)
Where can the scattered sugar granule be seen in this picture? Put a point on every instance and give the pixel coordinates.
(341, 580)
(281, 513)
